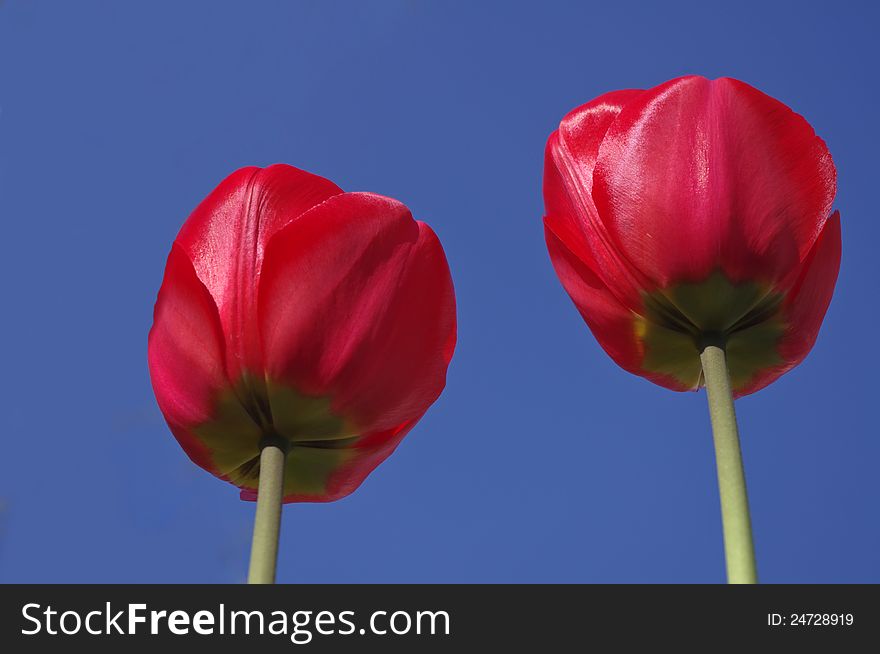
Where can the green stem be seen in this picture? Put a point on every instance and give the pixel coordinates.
(267, 522)
(739, 550)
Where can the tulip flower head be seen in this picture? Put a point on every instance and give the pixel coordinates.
(295, 313)
(697, 211)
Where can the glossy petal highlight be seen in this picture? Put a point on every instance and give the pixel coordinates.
(568, 179)
(226, 235)
(698, 173)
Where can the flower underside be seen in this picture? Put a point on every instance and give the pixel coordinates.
(680, 320)
(254, 411)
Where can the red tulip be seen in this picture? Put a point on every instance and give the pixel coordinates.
(694, 210)
(292, 310)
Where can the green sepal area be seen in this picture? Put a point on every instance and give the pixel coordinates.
(679, 319)
(318, 440)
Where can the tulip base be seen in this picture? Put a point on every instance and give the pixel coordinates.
(267, 521)
(739, 549)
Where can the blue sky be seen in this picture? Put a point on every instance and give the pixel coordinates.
(542, 461)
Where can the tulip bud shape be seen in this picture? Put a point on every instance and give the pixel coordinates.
(294, 313)
(695, 212)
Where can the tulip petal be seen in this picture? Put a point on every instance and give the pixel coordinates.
(610, 322)
(805, 306)
(695, 173)
(568, 179)
(369, 452)
(186, 354)
(619, 331)
(356, 304)
(225, 238)
(581, 133)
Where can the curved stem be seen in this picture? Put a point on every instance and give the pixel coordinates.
(267, 522)
(739, 550)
